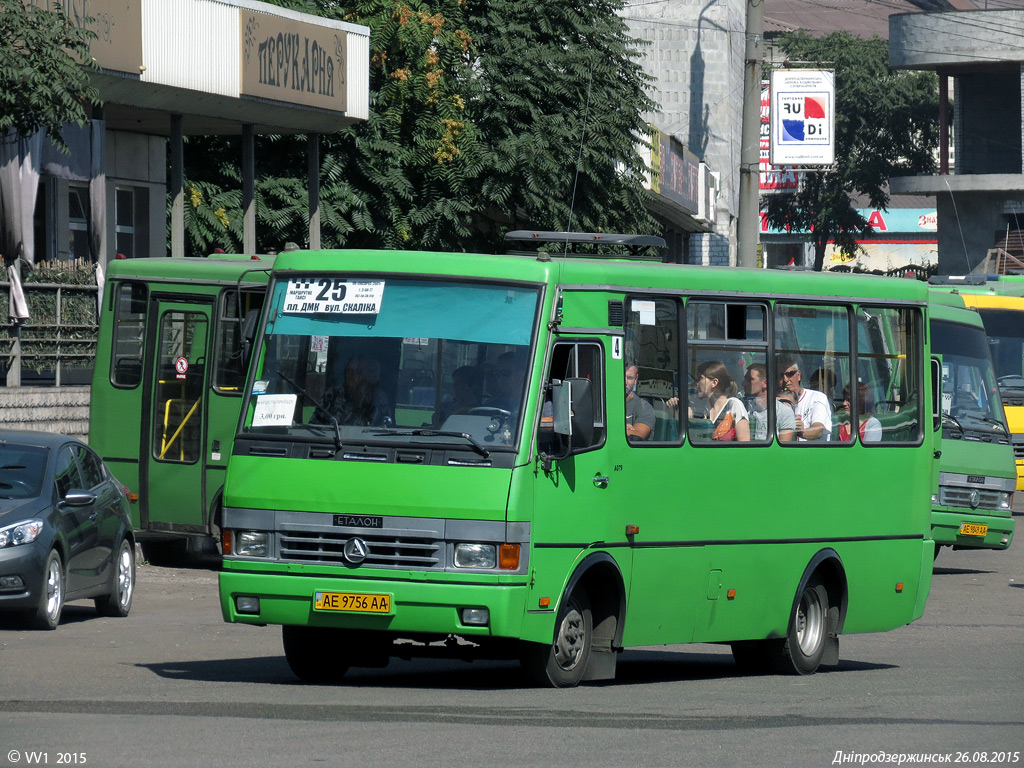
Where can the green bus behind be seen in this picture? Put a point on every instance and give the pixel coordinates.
(973, 504)
(167, 389)
(999, 299)
(433, 458)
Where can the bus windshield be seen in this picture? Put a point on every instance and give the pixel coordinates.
(1005, 331)
(411, 360)
(971, 408)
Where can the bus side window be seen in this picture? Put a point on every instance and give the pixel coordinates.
(651, 366)
(129, 335)
(887, 342)
(729, 391)
(573, 360)
(232, 347)
(812, 348)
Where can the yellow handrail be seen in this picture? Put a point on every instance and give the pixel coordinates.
(166, 444)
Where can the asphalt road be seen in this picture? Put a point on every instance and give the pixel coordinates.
(172, 685)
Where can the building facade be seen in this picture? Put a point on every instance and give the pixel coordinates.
(979, 192)
(168, 71)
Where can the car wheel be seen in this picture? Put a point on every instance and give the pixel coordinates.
(51, 596)
(119, 602)
(563, 663)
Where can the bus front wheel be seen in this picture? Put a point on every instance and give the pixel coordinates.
(312, 654)
(563, 663)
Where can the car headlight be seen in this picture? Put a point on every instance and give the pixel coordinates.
(472, 555)
(251, 544)
(20, 533)
(1006, 500)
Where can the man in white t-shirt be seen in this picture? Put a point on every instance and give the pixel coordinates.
(813, 410)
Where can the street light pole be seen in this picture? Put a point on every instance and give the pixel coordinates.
(749, 214)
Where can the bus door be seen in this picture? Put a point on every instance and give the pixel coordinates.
(582, 502)
(173, 445)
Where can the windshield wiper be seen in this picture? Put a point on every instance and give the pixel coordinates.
(439, 433)
(320, 407)
(990, 420)
(950, 417)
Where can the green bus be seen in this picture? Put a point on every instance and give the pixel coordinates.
(439, 454)
(999, 299)
(170, 353)
(973, 504)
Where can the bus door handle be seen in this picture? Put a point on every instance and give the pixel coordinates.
(600, 482)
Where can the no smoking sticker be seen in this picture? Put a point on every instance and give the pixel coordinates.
(181, 366)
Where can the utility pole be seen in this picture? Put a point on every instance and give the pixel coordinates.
(749, 228)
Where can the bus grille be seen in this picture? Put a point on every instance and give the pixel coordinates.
(952, 496)
(383, 551)
(1018, 452)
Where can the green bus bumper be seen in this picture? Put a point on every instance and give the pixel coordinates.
(946, 530)
(415, 606)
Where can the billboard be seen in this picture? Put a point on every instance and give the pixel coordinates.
(802, 117)
(771, 180)
(293, 61)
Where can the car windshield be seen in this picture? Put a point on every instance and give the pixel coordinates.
(347, 360)
(969, 392)
(22, 469)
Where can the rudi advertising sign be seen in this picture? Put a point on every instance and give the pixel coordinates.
(803, 117)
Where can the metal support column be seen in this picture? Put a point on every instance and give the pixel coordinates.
(749, 227)
(248, 189)
(313, 184)
(177, 188)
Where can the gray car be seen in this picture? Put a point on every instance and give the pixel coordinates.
(65, 529)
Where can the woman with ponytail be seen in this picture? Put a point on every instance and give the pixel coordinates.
(726, 412)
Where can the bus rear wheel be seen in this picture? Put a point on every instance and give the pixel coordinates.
(808, 631)
(801, 651)
(563, 663)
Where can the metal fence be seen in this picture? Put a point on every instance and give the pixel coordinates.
(57, 344)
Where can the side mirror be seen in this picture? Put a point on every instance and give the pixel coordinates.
(76, 497)
(936, 392)
(573, 411)
(250, 323)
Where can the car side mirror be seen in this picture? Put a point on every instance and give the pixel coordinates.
(76, 497)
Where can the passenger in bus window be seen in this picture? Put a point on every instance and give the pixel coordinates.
(639, 413)
(726, 412)
(812, 408)
(870, 428)
(755, 385)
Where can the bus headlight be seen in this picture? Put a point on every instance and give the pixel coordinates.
(251, 544)
(472, 555)
(1005, 500)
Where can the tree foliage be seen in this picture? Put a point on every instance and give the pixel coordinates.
(886, 126)
(43, 85)
(478, 115)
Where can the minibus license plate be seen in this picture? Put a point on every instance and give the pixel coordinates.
(973, 529)
(351, 601)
